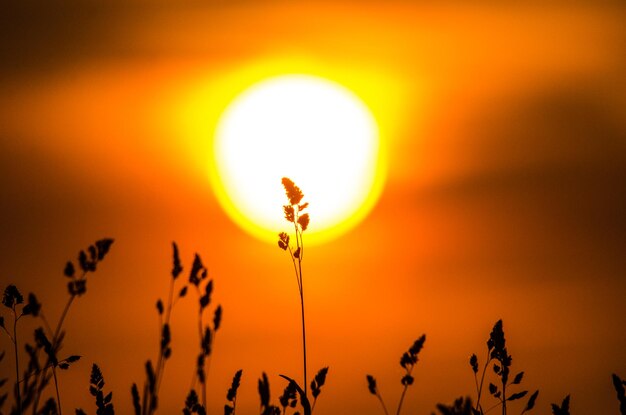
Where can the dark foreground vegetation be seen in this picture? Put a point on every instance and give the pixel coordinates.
(39, 362)
(38, 375)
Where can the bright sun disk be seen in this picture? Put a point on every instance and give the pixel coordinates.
(314, 131)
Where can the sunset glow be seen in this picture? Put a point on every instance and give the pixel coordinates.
(312, 130)
(464, 165)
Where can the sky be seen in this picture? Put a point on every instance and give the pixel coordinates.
(505, 135)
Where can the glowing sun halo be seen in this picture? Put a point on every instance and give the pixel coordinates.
(314, 131)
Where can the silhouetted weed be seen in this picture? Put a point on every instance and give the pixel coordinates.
(563, 409)
(461, 406)
(231, 396)
(408, 360)
(43, 361)
(264, 394)
(192, 406)
(294, 214)
(3, 381)
(147, 402)
(104, 406)
(497, 351)
(289, 398)
(304, 400)
(43, 354)
(373, 388)
(198, 278)
(621, 393)
(316, 385)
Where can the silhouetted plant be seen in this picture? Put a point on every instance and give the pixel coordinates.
(43, 352)
(47, 342)
(289, 398)
(197, 278)
(264, 394)
(621, 393)
(407, 361)
(563, 409)
(104, 406)
(192, 406)
(316, 385)
(49, 408)
(304, 400)
(293, 213)
(373, 388)
(461, 406)
(497, 351)
(3, 381)
(147, 402)
(231, 396)
(11, 299)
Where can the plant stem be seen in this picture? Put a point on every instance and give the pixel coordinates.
(145, 399)
(401, 399)
(503, 397)
(56, 386)
(57, 332)
(55, 340)
(300, 245)
(476, 383)
(380, 398)
(482, 379)
(17, 364)
(161, 362)
(45, 322)
(303, 331)
(492, 407)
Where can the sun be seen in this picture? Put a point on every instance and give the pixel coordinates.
(310, 129)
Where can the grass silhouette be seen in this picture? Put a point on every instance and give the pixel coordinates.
(43, 355)
(39, 373)
(104, 406)
(620, 389)
(408, 360)
(293, 213)
(497, 353)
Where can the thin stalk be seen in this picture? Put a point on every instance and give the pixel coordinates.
(300, 245)
(28, 376)
(17, 362)
(482, 380)
(401, 399)
(406, 386)
(56, 386)
(200, 336)
(55, 339)
(145, 399)
(380, 399)
(476, 383)
(161, 362)
(57, 332)
(295, 269)
(503, 398)
(202, 384)
(491, 408)
(303, 335)
(45, 322)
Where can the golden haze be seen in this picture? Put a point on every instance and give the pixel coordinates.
(504, 128)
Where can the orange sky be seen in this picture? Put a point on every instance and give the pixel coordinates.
(505, 197)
